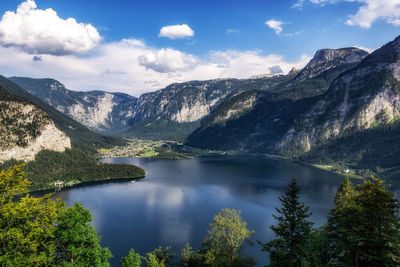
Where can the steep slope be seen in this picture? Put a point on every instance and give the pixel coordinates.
(169, 113)
(26, 129)
(30, 133)
(78, 133)
(176, 111)
(99, 111)
(256, 120)
(362, 101)
(325, 59)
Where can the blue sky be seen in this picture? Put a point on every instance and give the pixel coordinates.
(122, 50)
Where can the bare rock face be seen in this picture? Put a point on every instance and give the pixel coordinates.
(325, 59)
(364, 97)
(97, 110)
(184, 102)
(27, 130)
(50, 139)
(237, 109)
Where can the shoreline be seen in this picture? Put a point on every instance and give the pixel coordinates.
(231, 153)
(85, 183)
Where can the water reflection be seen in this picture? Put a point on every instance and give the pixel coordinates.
(177, 200)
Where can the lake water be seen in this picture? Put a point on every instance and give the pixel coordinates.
(178, 199)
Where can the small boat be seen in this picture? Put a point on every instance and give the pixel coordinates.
(133, 181)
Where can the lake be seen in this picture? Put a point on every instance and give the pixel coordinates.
(178, 199)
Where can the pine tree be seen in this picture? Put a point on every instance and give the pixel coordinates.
(186, 255)
(342, 224)
(364, 229)
(293, 231)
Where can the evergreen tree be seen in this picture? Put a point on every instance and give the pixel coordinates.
(133, 259)
(293, 231)
(77, 241)
(342, 224)
(160, 257)
(364, 229)
(186, 255)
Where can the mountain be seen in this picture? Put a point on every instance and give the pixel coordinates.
(362, 106)
(99, 111)
(256, 120)
(26, 129)
(52, 145)
(325, 59)
(78, 133)
(169, 113)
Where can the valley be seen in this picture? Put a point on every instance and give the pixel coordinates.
(340, 110)
(200, 134)
(142, 148)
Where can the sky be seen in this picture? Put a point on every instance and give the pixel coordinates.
(137, 46)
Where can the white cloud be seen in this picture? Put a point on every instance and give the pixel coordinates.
(369, 12)
(369, 50)
(133, 67)
(372, 10)
(276, 25)
(176, 31)
(43, 32)
(167, 60)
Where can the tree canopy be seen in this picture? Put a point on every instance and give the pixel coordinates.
(293, 231)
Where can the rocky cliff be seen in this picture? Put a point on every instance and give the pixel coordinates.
(364, 97)
(26, 130)
(100, 111)
(256, 120)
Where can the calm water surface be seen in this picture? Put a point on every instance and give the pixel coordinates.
(178, 198)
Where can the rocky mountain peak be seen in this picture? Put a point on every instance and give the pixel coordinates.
(325, 59)
(293, 71)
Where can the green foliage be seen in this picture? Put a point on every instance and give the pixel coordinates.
(293, 231)
(186, 256)
(377, 147)
(71, 165)
(363, 227)
(27, 223)
(42, 232)
(161, 129)
(133, 259)
(224, 242)
(77, 241)
(153, 261)
(160, 257)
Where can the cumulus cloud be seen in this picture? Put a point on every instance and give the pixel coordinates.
(369, 12)
(43, 32)
(372, 10)
(276, 25)
(176, 31)
(133, 67)
(167, 60)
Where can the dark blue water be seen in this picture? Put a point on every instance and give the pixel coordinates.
(178, 198)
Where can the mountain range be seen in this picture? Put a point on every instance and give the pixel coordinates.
(343, 106)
